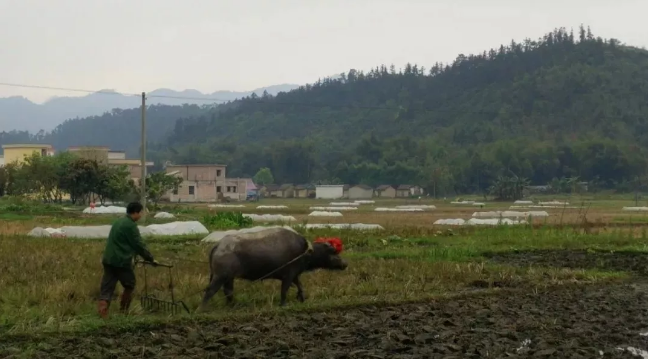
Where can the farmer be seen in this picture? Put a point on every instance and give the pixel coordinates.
(124, 242)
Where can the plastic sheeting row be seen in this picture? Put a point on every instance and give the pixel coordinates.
(120, 210)
(477, 222)
(636, 209)
(214, 237)
(166, 229)
(243, 206)
(468, 203)
(510, 214)
(549, 203)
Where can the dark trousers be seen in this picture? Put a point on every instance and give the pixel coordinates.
(112, 275)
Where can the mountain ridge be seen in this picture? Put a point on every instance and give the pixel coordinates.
(21, 114)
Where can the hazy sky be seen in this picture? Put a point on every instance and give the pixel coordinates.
(209, 45)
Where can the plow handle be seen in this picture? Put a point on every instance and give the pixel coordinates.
(154, 264)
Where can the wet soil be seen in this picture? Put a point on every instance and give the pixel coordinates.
(624, 261)
(574, 321)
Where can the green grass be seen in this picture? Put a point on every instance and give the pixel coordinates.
(49, 284)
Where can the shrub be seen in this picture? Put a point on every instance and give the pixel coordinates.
(223, 220)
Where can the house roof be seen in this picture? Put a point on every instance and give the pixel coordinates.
(363, 186)
(26, 145)
(272, 187)
(249, 184)
(405, 187)
(345, 187)
(198, 165)
(383, 187)
(75, 148)
(133, 162)
(285, 186)
(305, 186)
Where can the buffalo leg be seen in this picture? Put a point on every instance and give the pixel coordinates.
(300, 290)
(213, 288)
(228, 289)
(285, 285)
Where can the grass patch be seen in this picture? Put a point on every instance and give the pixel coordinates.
(50, 284)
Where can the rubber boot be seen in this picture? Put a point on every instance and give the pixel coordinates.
(102, 308)
(126, 298)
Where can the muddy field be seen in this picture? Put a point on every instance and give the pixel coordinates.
(577, 321)
(605, 260)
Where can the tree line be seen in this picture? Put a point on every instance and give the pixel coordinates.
(66, 176)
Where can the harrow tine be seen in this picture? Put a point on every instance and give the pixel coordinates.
(151, 303)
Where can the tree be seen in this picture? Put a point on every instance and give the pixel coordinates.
(80, 179)
(45, 173)
(158, 184)
(114, 184)
(509, 188)
(263, 177)
(3, 181)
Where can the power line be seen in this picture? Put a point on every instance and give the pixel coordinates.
(257, 100)
(66, 89)
(188, 98)
(260, 101)
(108, 92)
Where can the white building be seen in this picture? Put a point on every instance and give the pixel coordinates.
(329, 191)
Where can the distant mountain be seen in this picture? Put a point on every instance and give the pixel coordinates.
(18, 113)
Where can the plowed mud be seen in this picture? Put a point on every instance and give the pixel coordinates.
(624, 261)
(575, 321)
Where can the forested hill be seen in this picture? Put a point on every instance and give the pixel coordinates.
(566, 105)
(558, 87)
(119, 129)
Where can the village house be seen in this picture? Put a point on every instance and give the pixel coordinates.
(205, 183)
(305, 191)
(360, 191)
(276, 191)
(331, 191)
(416, 191)
(404, 190)
(265, 190)
(252, 189)
(385, 191)
(345, 191)
(104, 155)
(16, 153)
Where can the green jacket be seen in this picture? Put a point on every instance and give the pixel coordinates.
(124, 242)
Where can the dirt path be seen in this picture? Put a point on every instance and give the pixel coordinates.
(564, 322)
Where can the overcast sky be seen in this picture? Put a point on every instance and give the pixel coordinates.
(209, 45)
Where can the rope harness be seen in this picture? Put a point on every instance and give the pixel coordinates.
(308, 250)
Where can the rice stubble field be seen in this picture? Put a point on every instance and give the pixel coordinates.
(570, 285)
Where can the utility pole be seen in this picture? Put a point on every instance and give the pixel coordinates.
(143, 154)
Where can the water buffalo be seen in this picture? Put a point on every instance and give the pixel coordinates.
(261, 255)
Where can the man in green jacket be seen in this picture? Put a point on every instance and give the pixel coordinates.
(124, 242)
